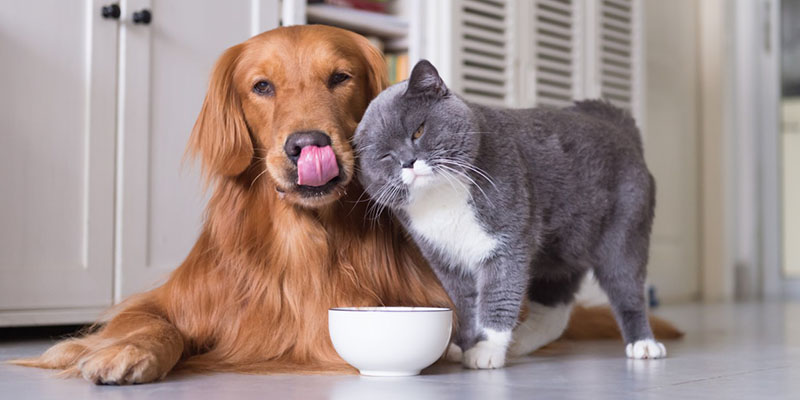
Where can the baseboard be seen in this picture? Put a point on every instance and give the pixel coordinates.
(62, 316)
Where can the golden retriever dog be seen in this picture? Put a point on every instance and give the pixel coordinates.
(286, 235)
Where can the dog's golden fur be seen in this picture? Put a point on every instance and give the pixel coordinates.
(253, 294)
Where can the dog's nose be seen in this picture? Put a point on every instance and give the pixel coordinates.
(297, 140)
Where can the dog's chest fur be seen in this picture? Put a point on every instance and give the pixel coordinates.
(443, 216)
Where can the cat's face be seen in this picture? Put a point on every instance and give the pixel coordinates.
(415, 135)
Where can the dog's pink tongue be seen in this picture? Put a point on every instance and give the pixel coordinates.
(316, 166)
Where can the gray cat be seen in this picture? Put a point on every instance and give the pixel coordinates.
(507, 204)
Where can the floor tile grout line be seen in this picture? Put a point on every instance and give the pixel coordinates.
(713, 378)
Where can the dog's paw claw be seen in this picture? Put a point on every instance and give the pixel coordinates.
(119, 365)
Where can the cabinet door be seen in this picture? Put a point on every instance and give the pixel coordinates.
(483, 61)
(550, 53)
(57, 116)
(165, 70)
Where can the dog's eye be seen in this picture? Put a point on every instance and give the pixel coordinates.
(418, 133)
(264, 88)
(337, 78)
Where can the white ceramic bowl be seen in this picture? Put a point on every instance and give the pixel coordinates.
(390, 341)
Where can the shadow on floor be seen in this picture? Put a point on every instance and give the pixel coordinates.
(57, 332)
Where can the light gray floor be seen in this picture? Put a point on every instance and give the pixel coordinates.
(742, 351)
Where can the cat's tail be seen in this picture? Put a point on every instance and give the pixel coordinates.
(603, 109)
(597, 322)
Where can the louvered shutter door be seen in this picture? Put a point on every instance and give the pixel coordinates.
(555, 69)
(616, 42)
(617, 57)
(483, 66)
(523, 53)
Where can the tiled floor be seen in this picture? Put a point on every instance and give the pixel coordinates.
(742, 351)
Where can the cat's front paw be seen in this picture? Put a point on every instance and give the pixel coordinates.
(645, 349)
(485, 355)
(454, 353)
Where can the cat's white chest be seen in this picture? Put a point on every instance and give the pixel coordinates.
(442, 215)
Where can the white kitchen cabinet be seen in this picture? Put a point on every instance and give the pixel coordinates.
(57, 133)
(95, 114)
(162, 85)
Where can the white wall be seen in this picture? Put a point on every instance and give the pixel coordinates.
(671, 144)
(791, 186)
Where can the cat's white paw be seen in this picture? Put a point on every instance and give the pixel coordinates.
(543, 325)
(644, 349)
(454, 353)
(485, 355)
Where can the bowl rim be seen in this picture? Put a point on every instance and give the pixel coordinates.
(391, 309)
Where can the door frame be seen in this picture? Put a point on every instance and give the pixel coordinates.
(741, 226)
(774, 284)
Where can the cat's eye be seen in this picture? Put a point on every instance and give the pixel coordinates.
(418, 133)
(385, 157)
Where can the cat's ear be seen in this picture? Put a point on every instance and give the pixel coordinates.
(425, 80)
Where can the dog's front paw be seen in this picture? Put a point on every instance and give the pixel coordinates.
(485, 355)
(454, 353)
(120, 364)
(61, 356)
(644, 349)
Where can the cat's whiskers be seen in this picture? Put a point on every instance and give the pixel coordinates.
(394, 193)
(386, 194)
(388, 198)
(380, 202)
(358, 201)
(375, 204)
(463, 164)
(449, 165)
(467, 177)
(451, 178)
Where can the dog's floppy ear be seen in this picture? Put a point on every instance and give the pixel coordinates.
(378, 78)
(220, 137)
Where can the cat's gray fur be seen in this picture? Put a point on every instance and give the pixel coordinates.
(563, 191)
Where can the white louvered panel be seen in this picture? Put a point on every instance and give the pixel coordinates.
(492, 8)
(550, 101)
(553, 54)
(486, 88)
(494, 51)
(522, 53)
(615, 81)
(549, 27)
(484, 66)
(550, 66)
(616, 35)
(616, 61)
(486, 20)
(555, 79)
(555, 60)
(564, 7)
(481, 74)
(477, 58)
(481, 99)
(620, 72)
(484, 35)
